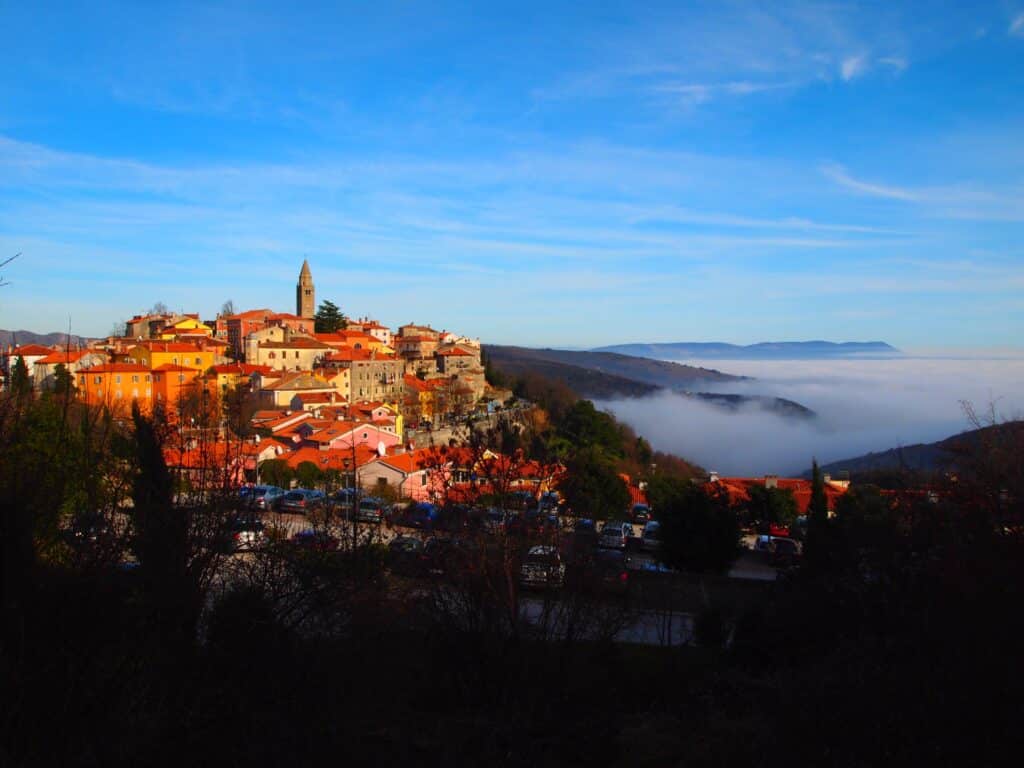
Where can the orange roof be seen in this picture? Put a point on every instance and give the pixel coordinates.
(294, 344)
(738, 489)
(119, 368)
(248, 369)
(336, 458)
(249, 314)
(31, 350)
(407, 463)
(168, 346)
(348, 355)
(456, 351)
(172, 368)
(228, 368)
(72, 356)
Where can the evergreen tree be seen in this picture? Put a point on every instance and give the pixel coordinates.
(592, 486)
(21, 386)
(63, 381)
(699, 532)
(329, 318)
(818, 535)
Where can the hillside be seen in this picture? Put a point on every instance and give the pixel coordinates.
(21, 338)
(657, 373)
(921, 457)
(607, 376)
(767, 350)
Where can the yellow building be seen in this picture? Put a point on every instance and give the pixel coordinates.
(153, 354)
(188, 325)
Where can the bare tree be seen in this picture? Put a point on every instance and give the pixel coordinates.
(4, 263)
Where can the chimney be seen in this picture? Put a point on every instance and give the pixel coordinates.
(771, 481)
(712, 476)
(826, 478)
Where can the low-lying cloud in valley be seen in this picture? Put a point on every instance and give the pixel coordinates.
(861, 406)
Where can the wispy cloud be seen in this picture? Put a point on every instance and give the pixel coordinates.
(839, 175)
(853, 67)
(1017, 25)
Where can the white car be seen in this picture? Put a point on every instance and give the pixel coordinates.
(615, 534)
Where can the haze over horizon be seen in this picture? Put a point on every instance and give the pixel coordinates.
(525, 173)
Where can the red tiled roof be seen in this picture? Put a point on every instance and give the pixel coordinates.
(738, 490)
(168, 346)
(31, 350)
(294, 344)
(172, 368)
(119, 368)
(456, 351)
(72, 356)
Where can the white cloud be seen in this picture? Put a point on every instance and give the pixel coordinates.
(839, 175)
(1017, 26)
(853, 66)
(862, 406)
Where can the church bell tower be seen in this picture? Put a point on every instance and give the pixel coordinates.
(305, 293)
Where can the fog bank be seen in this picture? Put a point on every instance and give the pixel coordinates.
(862, 406)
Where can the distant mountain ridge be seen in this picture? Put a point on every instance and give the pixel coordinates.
(765, 350)
(22, 338)
(606, 375)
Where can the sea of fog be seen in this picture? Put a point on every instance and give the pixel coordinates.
(862, 405)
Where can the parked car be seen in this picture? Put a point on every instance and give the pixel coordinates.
(784, 552)
(549, 501)
(265, 498)
(609, 572)
(319, 541)
(302, 500)
(88, 529)
(241, 533)
(344, 500)
(420, 514)
(615, 534)
(650, 539)
(406, 556)
(493, 520)
(371, 510)
(543, 567)
(640, 513)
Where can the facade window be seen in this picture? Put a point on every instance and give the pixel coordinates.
(135, 378)
(147, 377)
(174, 360)
(199, 361)
(181, 378)
(81, 380)
(296, 353)
(117, 379)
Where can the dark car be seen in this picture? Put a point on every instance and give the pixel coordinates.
(371, 510)
(446, 556)
(542, 568)
(640, 513)
(420, 514)
(609, 573)
(344, 500)
(319, 541)
(406, 556)
(88, 529)
(784, 552)
(302, 500)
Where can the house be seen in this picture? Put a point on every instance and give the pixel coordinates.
(371, 376)
(455, 358)
(738, 489)
(116, 385)
(326, 434)
(279, 392)
(30, 353)
(372, 327)
(73, 360)
(408, 474)
(184, 324)
(279, 348)
(154, 354)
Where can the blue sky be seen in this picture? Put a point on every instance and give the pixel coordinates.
(536, 173)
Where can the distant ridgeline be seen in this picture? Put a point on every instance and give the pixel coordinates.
(608, 376)
(22, 338)
(766, 350)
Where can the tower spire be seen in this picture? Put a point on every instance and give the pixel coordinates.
(305, 292)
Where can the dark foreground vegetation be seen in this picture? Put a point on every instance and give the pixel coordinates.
(137, 641)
